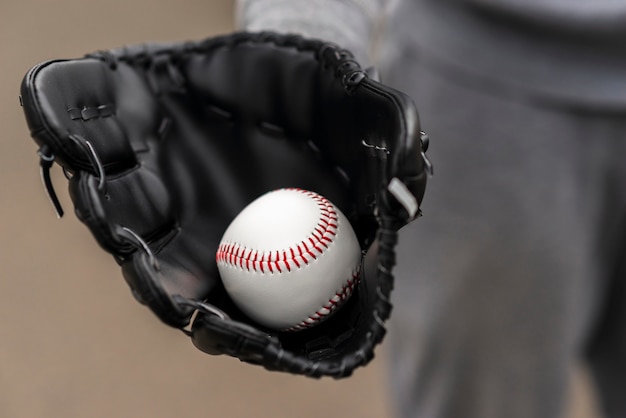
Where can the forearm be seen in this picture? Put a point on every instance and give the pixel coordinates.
(352, 24)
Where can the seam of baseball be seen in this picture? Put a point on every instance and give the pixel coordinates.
(329, 307)
(323, 234)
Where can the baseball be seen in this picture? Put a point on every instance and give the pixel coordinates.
(289, 259)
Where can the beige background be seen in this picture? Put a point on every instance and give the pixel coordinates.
(73, 342)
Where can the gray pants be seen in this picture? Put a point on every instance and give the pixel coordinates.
(516, 272)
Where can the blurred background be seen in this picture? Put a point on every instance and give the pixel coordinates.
(73, 341)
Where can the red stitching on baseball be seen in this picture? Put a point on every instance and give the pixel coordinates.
(322, 235)
(328, 308)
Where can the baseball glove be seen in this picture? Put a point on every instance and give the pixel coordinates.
(164, 144)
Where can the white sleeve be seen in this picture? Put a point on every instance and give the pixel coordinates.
(352, 24)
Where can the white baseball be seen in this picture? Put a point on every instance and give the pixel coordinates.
(289, 259)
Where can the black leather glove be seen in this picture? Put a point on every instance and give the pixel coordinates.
(164, 145)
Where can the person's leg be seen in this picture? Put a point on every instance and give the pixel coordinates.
(497, 283)
(607, 345)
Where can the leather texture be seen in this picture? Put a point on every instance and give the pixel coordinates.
(165, 143)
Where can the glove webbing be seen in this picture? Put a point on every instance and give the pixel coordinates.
(347, 70)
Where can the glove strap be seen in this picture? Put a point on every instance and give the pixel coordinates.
(46, 159)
